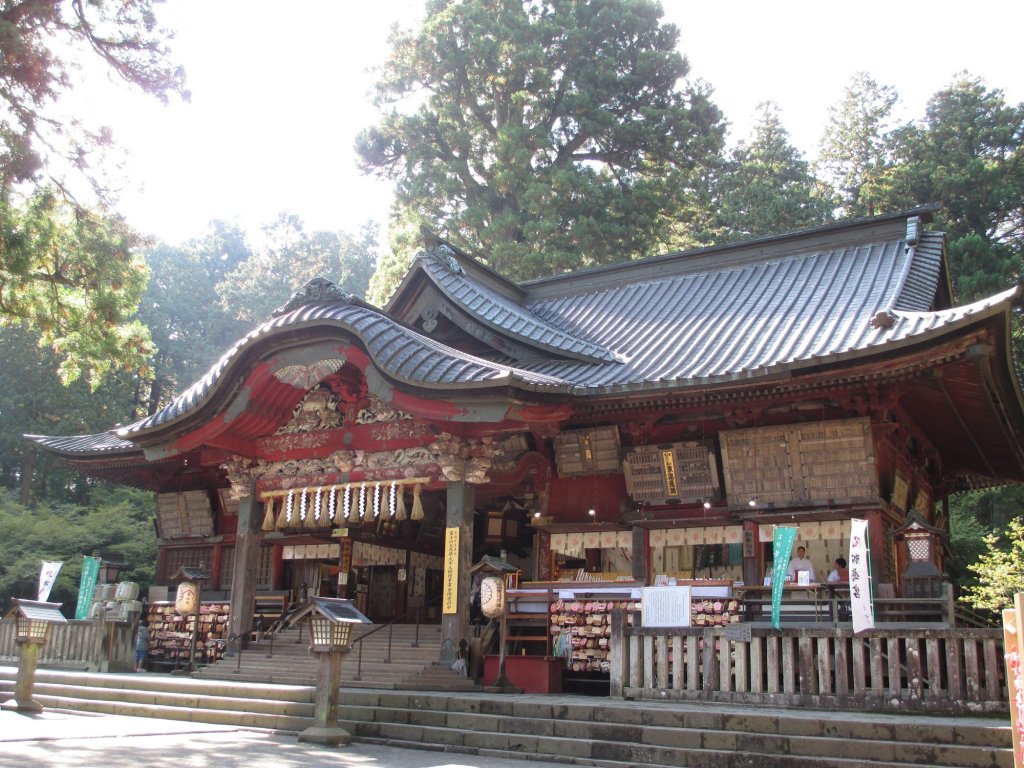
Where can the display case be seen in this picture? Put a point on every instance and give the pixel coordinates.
(170, 634)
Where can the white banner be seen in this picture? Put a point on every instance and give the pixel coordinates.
(861, 605)
(47, 576)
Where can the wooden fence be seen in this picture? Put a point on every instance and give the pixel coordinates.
(947, 670)
(88, 644)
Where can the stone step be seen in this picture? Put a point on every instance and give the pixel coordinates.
(389, 657)
(581, 730)
(243, 704)
(619, 733)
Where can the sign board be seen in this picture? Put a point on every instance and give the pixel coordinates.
(1012, 649)
(665, 606)
(86, 587)
(450, 593)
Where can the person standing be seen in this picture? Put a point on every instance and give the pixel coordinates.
(141, 644)
(801, 563)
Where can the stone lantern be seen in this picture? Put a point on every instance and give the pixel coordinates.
(33, 628)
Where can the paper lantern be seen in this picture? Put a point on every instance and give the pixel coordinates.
(492, 596)
(186, 600)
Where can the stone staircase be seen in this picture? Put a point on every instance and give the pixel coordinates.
(398, 656)
(643, 734)
(577, 730)
(247, 705)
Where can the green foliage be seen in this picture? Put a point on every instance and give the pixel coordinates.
(999, 570)
(115, 523)
(69, 272)
(967, 154)
(766, 187)
(289, 259)
(34, 401)
(190, 328)
(76, 278)
(856, 148)
(546, 136)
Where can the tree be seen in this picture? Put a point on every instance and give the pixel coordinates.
(113, 522)
(545, 136)
(856, 146)
(967, 155)
(33, 400)
(39, 38)
(76, 278)
(190, 328)
(290, 258)
(1000, 570)
(767, 187)
(70, 272)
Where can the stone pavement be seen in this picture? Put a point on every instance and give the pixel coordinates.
(63, 739)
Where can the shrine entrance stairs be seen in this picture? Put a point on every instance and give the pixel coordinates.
(558, 728)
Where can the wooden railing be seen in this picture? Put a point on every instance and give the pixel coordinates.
(930, 670)
(88, 644)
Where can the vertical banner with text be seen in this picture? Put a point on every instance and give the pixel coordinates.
(861, 605)
(47, 575)
(90, 572)
(782, 548)
(450, 595)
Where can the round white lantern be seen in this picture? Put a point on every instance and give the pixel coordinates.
(185, 600)
(492, 596)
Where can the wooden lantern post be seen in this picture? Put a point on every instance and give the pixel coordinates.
(330, 633)
(33, 628)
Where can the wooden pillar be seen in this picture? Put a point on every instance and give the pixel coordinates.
(459, 514)
(277, 566)
(877, 540)
(247, 559)
(753, 565)
(216, 565)
(639, 560)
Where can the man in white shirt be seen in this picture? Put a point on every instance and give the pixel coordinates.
(801, 563)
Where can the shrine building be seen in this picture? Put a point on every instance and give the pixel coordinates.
(653, 418)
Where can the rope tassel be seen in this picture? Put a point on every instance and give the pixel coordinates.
(268, 517)
(417, 505)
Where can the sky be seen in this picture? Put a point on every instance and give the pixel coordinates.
(280, 90)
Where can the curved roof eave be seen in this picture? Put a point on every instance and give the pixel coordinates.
(105, 443)
(382, 338)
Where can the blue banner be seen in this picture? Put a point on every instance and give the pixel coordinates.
(782, 548)
(86, 587)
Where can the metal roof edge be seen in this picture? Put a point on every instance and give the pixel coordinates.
(739, 253)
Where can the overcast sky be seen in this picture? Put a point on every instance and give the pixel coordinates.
(279, 91)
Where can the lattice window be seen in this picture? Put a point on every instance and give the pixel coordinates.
(176, 557)
(227, 567)
(587, 451)
(659, 474)
(184, 514)
(815, 462)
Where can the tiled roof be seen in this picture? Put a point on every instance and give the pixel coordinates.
(697, 327)
(102, 443)
(680, 321)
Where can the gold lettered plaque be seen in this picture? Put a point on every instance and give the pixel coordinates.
(450, 596)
